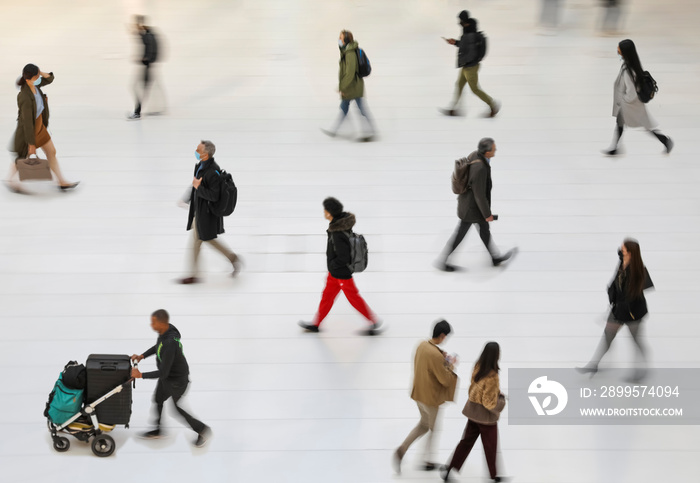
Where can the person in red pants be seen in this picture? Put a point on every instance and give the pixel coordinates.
(482, 411)
(339, 274)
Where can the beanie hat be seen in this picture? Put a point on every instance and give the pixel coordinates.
(333, 206)
(463, 16)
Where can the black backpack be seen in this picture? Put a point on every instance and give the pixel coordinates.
(75, 375)
(480, 46)
(228, 196)
(151, 47)
(363, 66)
(359, 254)
(646, 88)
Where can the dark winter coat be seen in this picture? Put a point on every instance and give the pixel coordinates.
(468, 53)
(208, 224)
(338, 246)
(170, 359)
(350, 84)
(475, 204)
(624, 308)
(26, 116)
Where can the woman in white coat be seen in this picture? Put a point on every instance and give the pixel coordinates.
(627, 107)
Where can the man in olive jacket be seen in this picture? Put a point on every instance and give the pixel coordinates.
(434, 382)
(350, 85)
(474, 202)
(205, 225)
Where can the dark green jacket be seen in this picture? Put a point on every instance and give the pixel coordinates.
(26, 115)
(474, 205)
(350, 84)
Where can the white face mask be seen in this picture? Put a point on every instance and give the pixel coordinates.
(340, 43)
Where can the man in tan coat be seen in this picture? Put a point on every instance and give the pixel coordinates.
(434, 382)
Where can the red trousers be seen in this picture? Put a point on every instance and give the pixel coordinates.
(333, 288)
(489, 438)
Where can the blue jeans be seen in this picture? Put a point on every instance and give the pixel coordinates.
(345, 107)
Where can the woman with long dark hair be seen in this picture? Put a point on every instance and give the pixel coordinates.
(482, 411)
(32, 121)
(627, 107)
(628, 305)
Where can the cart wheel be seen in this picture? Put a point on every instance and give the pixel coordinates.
(103, 445)
(61, 444)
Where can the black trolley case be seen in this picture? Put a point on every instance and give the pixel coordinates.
(104, 373)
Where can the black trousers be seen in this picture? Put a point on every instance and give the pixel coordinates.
(461, 232)
(146, 81)
(174, 389)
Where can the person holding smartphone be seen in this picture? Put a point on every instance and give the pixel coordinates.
(474, 203)
(472, 48)
(434, 383)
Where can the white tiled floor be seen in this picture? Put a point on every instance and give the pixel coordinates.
(80, 273)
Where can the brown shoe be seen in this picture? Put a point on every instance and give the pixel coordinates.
(188, 280)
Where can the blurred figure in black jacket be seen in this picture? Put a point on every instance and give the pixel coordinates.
(610, 24)
(150, 55)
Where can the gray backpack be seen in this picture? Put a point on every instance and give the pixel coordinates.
(359, 255)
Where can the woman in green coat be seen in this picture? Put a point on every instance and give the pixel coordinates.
(351, 86)
(32, 121)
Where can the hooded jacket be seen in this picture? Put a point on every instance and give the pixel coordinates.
(170, 359)
(208, 224)
(338, 246)
(474, 205)
(26, 116)
(350, 84)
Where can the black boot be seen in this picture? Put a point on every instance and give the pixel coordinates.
(445, 473)
(613, 151)
(665, 140)
(496, 261)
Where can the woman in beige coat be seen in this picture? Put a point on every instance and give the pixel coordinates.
(627, 108)
(482, 411)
